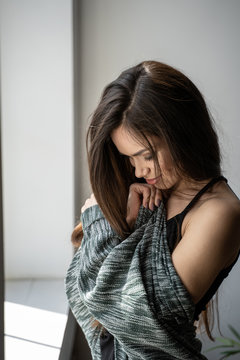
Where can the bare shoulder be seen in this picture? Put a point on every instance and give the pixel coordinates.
(220, 206)
(218, 219)
(210, 242)
(222, 209)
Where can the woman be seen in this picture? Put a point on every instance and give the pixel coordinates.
(162, 229)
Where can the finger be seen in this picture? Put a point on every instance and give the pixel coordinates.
(146, 195)
(85, 206)
(89, 202)
(152, 198)
(158, 197)
(139, 194)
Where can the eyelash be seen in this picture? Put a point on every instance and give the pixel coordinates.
(148, 158)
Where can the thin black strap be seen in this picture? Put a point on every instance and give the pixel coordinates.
(202, 191)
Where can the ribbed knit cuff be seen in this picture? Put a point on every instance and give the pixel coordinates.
(90, 215)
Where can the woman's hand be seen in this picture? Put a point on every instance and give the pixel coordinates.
(141, 194)
(89, 202)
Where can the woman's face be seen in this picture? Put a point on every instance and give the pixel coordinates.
(141, 159)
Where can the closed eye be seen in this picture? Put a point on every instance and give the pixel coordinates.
(148, 158)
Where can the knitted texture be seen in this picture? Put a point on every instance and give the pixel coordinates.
(132, 288)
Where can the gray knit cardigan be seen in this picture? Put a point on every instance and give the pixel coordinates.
(132, 288)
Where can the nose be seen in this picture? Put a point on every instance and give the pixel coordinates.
(141, 171)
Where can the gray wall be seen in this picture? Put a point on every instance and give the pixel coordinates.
(201, 38)
(37, 136)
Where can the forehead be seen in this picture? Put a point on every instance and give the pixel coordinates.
(127, 143)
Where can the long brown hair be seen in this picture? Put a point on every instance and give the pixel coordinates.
(149, 99)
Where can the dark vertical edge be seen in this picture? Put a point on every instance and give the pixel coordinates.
(74, 345)
(1, 247)
(76, 6)
(66, 351)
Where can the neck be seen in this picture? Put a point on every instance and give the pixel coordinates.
(185, 189)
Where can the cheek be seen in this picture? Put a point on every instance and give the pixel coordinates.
(165, 162)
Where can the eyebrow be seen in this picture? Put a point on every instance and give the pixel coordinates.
(138, 152)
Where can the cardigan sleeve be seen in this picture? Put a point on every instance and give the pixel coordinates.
(94, 213)
(131, 287)
(79, 309)
(95, 227)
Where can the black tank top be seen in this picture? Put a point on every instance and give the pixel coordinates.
(174, 225)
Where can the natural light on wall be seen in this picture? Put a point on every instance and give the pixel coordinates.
(36, 84)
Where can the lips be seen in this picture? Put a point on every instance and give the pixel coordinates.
(153, 181)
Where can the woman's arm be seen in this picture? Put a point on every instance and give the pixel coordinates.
(210, 243)
(211, 240)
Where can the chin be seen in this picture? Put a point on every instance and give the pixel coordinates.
(166, 184)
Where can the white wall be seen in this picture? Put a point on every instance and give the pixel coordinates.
(37, 136)
(201, 38)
